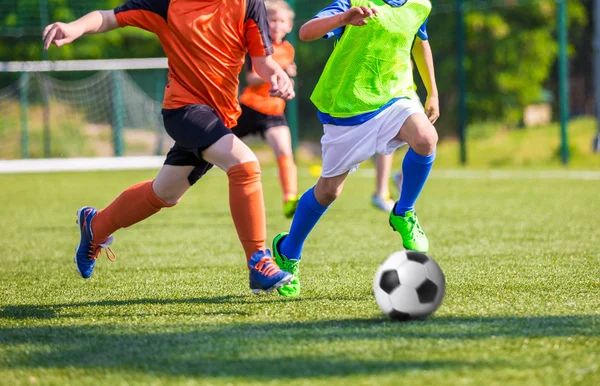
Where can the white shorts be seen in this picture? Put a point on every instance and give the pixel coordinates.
(345, 147)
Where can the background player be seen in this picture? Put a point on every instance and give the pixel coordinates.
(264, 114)
(205, 43)
(365, 112)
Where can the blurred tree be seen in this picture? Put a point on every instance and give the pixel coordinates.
(511, 50)
(21, 29)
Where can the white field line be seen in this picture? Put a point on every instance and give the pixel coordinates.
(155, 162)
(80, 164)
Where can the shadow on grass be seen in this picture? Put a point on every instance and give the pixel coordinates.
(52, 311)
(267, 350)
(252, 351)
(286, 350)
(371, 328)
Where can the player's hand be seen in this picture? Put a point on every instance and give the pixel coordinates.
(291, 69)
(60, 34)
(282, 86)
(358, 15)
(432, 108)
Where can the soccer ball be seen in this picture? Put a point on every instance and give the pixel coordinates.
(409, 285)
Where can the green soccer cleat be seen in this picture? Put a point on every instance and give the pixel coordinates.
(413, 237)
(289, 206)
(291, 266)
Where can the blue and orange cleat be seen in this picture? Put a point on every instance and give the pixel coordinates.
(87, 251)
(265, 275)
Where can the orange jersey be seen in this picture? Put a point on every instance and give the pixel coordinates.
(206, 42)
(257, 96)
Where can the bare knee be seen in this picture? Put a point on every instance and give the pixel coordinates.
(328, 190)
(227, 152)
(169, 196)
(171, 183)
(425, 141)
(332, 193)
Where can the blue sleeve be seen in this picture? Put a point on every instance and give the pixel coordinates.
(337, 7)
(422, 34)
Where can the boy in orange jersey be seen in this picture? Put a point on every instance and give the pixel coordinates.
(261, 113)
(205, 42)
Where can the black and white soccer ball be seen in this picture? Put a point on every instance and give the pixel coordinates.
(409, 285)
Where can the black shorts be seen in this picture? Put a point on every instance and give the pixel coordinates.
(194, 128)
(253, 122)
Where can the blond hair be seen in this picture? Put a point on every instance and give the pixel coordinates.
(276, 5)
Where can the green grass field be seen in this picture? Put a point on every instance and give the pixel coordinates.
(521, 258)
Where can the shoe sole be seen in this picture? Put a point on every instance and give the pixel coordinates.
(277, 285)
(77, 249)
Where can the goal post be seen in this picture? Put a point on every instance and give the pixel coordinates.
(88, 106)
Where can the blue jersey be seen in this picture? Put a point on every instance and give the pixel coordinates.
(341, 6)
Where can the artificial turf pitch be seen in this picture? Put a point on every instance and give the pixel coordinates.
(521, 257)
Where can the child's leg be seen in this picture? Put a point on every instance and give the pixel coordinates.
(141, 201)
(344, 148)
(248, 210)
(419, 133)
(280, 140)
(135, 204)
(381, 198)
(245, 190)
(312, 205)
(383, 165)
(422, 138)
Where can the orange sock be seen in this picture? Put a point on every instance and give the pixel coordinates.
(136, 203)
(248, 206)
(288, 176)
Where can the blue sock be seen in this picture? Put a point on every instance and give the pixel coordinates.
(307, 215)
(415, 170)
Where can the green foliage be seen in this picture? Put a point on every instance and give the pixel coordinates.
(22, 23)
(511, 50)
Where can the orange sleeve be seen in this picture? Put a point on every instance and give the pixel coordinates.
(256, 29)
(150, 15)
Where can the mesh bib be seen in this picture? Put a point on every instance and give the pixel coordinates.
(370, 65)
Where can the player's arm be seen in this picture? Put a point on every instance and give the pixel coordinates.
(292, 70)
(94, 22)
(252, 78)
(271, 72)
(320, 26)
(423, 57)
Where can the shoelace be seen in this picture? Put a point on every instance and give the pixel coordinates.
(414, 224)
(290, 265)
(266, 266)
(96, 248)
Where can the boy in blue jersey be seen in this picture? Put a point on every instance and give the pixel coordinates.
(364, 102)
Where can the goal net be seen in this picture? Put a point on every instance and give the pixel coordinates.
(90, 108)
